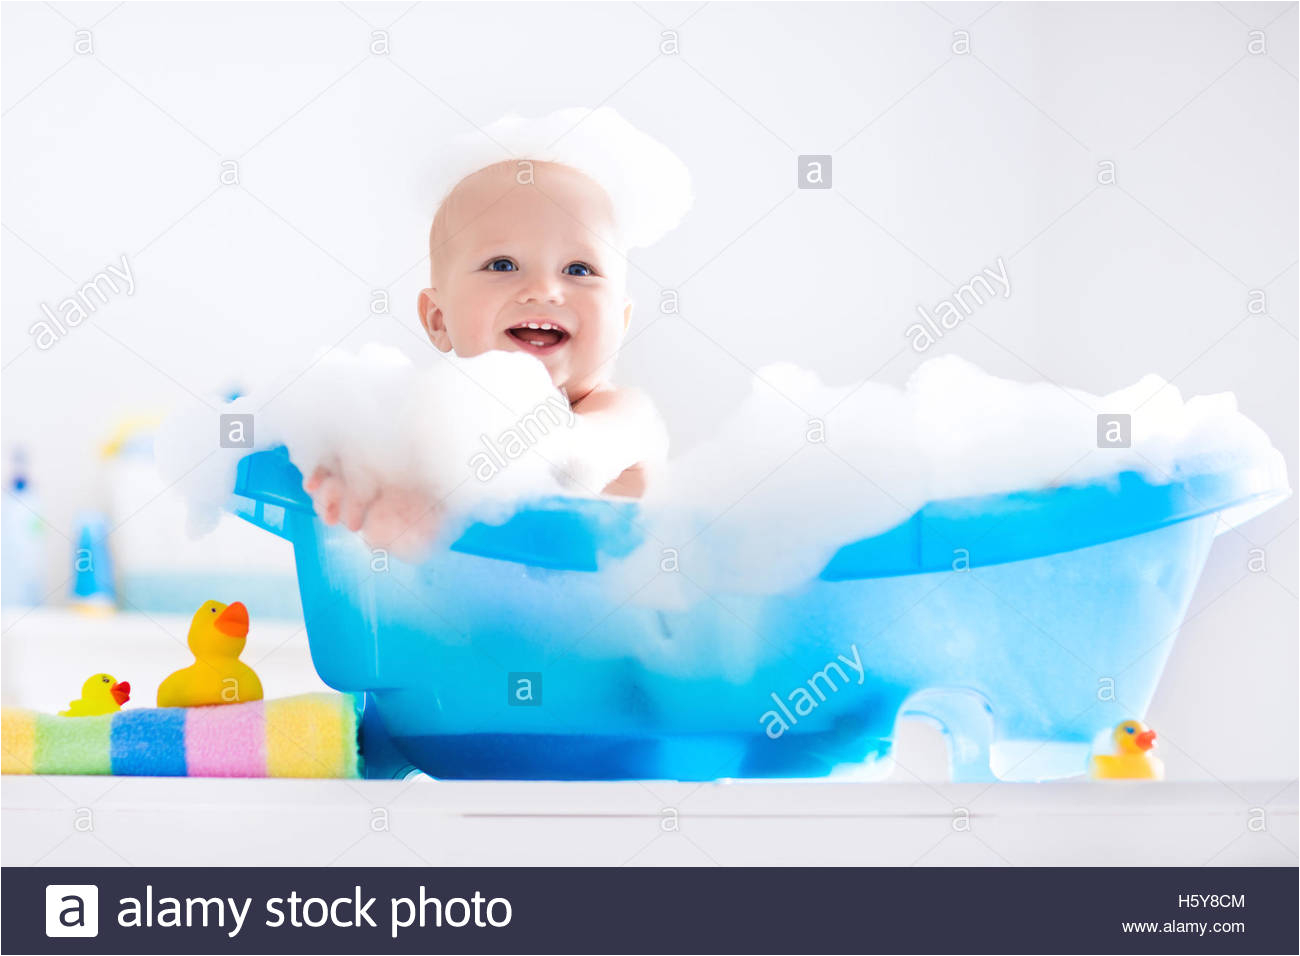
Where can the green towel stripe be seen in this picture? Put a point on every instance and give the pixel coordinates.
(73, 744)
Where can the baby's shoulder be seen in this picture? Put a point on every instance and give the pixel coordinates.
(620, 400)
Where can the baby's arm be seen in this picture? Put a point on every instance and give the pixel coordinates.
(620, 441)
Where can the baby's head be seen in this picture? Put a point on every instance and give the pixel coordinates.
(541, 238)
(529, 257)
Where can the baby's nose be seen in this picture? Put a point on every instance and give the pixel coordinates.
(541, 289)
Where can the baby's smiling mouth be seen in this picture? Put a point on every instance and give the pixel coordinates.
(539, 337)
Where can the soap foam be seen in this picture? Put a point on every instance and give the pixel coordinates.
(803, 468)
(375, 418)
(799, 470)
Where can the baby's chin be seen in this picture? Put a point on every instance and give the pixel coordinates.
(563, 362)
(554, 359)
(574, 381)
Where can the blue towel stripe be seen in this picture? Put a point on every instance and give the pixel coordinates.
(148, 742)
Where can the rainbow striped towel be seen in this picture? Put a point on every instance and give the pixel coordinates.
(313, 735)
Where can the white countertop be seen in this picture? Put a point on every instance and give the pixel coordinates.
(103, 821)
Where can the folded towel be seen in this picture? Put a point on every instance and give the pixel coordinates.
(313, 735)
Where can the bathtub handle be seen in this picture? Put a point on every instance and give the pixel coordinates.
(267, 489)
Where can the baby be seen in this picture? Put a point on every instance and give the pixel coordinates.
(529, 255)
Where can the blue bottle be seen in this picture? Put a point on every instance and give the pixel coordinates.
(92, 564)
(22, 560)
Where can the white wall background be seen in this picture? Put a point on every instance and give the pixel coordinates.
(942, 163)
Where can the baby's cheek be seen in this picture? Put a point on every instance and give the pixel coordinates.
(470, 325)
(471, 338)
(603, 346)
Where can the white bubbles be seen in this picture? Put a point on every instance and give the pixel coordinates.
(477, 433)
(803, 468)
(799, 471)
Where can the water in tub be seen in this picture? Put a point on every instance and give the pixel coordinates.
(801, 469)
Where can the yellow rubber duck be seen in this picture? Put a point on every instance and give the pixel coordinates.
(100, 694)
(218, 633)
(1134, 760)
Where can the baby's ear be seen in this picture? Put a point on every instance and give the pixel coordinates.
(431, 319)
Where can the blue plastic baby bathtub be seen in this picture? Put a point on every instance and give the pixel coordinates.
(1024, 625)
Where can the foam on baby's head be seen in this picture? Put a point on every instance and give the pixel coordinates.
(648, 186)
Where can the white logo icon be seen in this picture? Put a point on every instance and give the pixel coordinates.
(71, 909)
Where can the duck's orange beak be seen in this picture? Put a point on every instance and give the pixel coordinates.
(121, 691)
(1145, 740)
(233, 621)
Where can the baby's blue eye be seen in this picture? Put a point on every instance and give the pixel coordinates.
(501, 265)
(577, 269)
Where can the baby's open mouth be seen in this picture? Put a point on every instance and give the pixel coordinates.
(538, 336)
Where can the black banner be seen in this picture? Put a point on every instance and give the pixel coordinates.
(557, 910)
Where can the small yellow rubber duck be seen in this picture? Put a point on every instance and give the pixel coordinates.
(100, 694)
(1134, 760)
(218, 633)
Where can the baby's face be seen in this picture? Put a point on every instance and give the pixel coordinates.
(529, 267)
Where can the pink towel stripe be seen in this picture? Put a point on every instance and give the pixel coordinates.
(227, 740)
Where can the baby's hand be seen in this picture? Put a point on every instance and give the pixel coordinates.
(404, 521)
